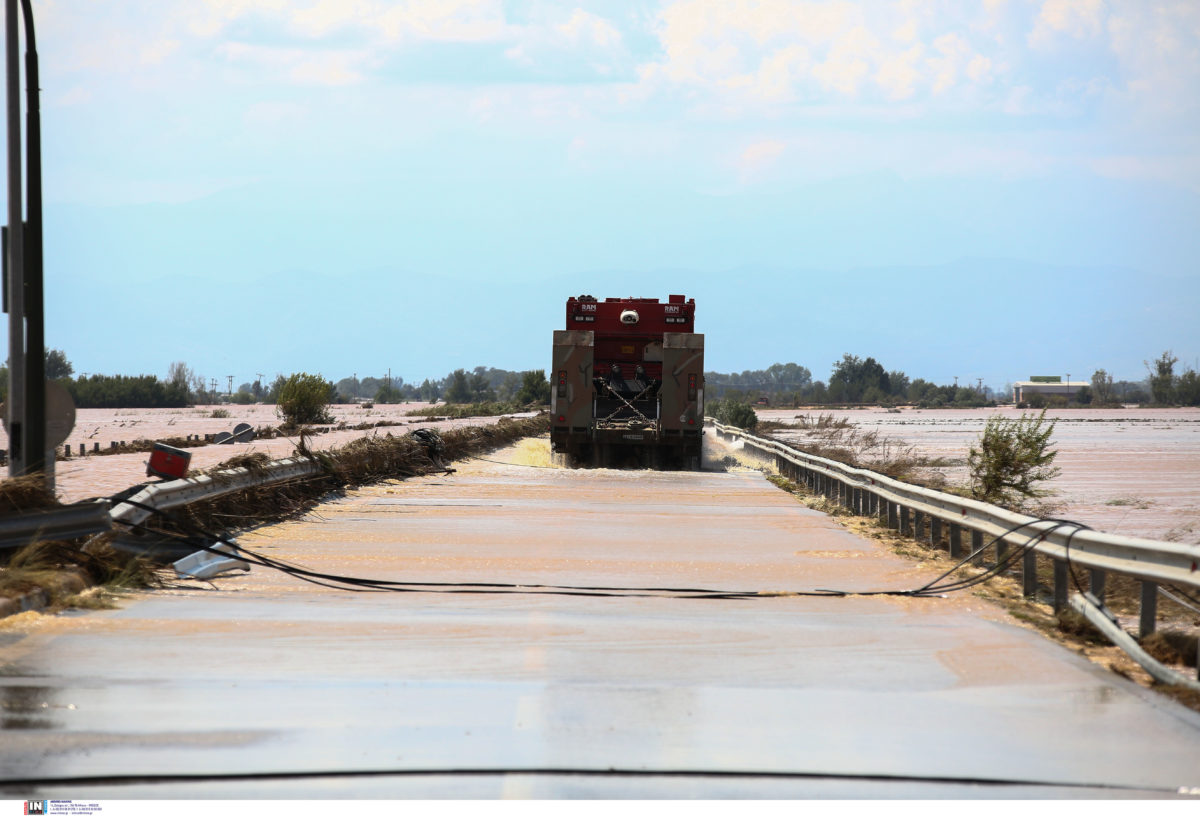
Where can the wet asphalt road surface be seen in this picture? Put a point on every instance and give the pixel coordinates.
(273, 687)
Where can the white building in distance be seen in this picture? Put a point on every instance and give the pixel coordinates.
(1047, 386)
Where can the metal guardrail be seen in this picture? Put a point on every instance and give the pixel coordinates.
(57, 524)
(922, 513)
(176, 493)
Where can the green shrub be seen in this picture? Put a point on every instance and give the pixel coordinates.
(1012, 458)
(219, 413)
(242, 398)
(732, 412)
(303, 399)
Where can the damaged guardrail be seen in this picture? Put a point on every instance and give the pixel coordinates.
(59, 523)
(926, 514)
(178, 492)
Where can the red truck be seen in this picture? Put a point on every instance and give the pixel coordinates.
(627, 385)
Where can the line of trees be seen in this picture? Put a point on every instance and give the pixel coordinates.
(856, 381)
(852, 381)
(481, 384)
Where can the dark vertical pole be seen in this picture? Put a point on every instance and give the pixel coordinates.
(1149, 610)
(16, 230)
(35, 335)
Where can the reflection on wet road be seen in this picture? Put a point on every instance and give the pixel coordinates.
(437, 693)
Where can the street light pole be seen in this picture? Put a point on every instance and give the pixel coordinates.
(14, 243)
(23, 260)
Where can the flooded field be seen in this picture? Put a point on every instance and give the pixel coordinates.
(1132, 471)
(103, 475)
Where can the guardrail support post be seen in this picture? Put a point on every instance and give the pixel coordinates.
(919, 526)
(935, 531)
(1001, 551)
(1060, 585)
(1029, 574)
(976, 541)
(905, 521)
(893, 515)
(1096, 583)
(1149, 609)
(956, 531)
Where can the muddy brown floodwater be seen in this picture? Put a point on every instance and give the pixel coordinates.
(548, 643)
(103, 475)
(1134, 471)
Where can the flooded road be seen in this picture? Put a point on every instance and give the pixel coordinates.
(585, 669)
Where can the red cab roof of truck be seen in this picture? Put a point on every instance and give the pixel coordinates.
(631, 316)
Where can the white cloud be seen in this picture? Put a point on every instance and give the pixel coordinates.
(847, 63)
(158, 51)
(898, 75)
(589, 29)
(327, 16)
(1074, 18)
(953, 51)
(979, 69)
(304, 66)
(209, 17)
(446, 21)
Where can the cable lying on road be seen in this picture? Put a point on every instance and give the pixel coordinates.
(938, 587)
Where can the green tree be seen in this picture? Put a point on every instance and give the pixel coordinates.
(429, 391)
(535, 389)
(1187, 388)
(1162, 378)
(388, 394)
(1012, 458)
(458, 390)
(480, 387)
(58, 367)
(852, 377)
(1102, 387)
(303, 399)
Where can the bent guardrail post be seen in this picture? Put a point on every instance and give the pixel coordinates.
(1149, 609)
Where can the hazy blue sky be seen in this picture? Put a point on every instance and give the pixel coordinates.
(991, 189)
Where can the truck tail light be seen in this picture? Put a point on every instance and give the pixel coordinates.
(562, 384)
(691, 387)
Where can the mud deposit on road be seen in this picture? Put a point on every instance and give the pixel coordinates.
(1132, 471)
